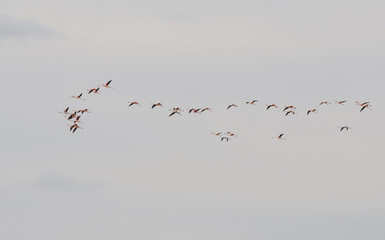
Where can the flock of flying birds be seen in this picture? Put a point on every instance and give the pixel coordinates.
(75, 115)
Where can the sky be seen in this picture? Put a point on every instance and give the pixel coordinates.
(133, 172)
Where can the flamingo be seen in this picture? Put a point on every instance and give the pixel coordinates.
(252, 102)
(340, 102)
(72, 116)
(280, 137)
(83, 111)
(76, 120)
(225, 138)
(174, 112)
(156, 104)
(216, 134)
(133, 103)
(362, 104)
(74, 127)
(106, 85)
(344, 127)
(288, 112)
(176, 109)
(271, 105)
(312, 110)
(325, 102)
(78, 97)
(365, 106)
(231, 105)
(232, 134)
(66, 111)
(93, 90)
(206, 109)
(193, 110)
(287, 107)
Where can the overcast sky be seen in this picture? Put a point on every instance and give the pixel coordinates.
(135, 173)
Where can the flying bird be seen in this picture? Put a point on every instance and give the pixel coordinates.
(107, 85)
(206, 109)
(231, 134)
(93, 90)
(65, 111)
(216, 133)
(76, 120)
(232, 105)
(83, 111)
(74, 127)
(271, 105)
(193, 110)
(291, 107)
(73, 115)
(362, 104)
(225, 138)
(325, 102)
(133, 103)
(78, 97)
(365, 106)
(176, 109)
(156, 104)
(344, 127)
(312, 110)
(288, 112)
(252, 102)
(340, 102)
(280, 137)
(174, 112)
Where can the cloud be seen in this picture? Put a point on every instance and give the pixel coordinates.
(24, 28)
(64, 184)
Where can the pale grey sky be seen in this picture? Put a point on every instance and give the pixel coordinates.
(135, 173)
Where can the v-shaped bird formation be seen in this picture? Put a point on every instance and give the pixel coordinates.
(74, 116)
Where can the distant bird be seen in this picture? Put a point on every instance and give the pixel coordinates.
(76, 120)
(93, 90)
(366, 106)
(133, 103)
(193, 110)
(340, 102)
(83, 111)
(176, 109)
(252, 102)
(231, 105)
(174, 112)
(156, 104)
(280, 137)
(362, 104)
(288, 112)
(206, 109)
(287, 107)
(231, 134)
(78, 97)
(312, 110)
(325, 102)
(271, 105)
(73, 115)
(107, 85)
(344, 127)
(65, 111)
(74, 127)
(225, 138)
(216, 134)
